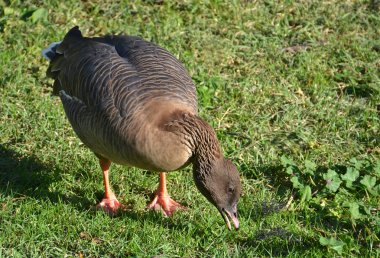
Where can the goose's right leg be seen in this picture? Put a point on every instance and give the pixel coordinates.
(109, 203)
(162, 199)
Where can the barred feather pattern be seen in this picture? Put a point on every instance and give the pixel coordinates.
(198, 136)
(105, 82)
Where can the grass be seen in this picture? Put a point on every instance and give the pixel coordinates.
(292, 90)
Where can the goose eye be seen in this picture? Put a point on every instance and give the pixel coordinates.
(231, 189)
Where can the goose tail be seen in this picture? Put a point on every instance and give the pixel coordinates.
(59, 47)
(50, 52)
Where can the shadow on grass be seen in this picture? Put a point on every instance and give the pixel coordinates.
(26, 176)
(317, 217)
(278, 242)
(274, 240)
(22, 176)
(268, 175)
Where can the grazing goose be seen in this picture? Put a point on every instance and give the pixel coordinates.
(133, 103)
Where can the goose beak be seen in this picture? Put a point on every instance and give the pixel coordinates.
(228, 214)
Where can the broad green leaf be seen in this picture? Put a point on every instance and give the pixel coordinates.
(333, 186)
(40, 14)
(376, 190)
(332, 243)
(310, 167)
(289, 170)
(8, 11)
(350, 176)
(286, 161)
(338, 247)
(332, 180)
(306, 194)
(330, 174)
(368, 181)
(354, 211)
(358, 164)
(296, 183)
(377, 168)
(324, 241)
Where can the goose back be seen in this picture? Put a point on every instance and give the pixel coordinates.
(127, 69)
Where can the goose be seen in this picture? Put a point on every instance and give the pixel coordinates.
(132, 102)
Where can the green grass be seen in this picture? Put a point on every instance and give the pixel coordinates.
(292, 90)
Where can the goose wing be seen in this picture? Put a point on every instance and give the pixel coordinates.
(119, 74)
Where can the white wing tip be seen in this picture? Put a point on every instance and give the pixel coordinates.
(49, 52)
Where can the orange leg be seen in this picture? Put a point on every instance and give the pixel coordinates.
(109, 203)
(162, 199)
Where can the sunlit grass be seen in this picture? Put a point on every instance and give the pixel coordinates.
(278, 81)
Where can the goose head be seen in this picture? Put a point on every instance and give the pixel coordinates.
(219, 182)
(216, 177)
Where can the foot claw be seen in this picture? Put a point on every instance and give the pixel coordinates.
(109, 205)
(166, 204)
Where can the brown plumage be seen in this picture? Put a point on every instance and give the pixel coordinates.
(133, 103)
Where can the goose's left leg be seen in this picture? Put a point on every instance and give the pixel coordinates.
(162, 199)
(109, 203)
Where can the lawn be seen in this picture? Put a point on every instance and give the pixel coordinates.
(292, 90)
